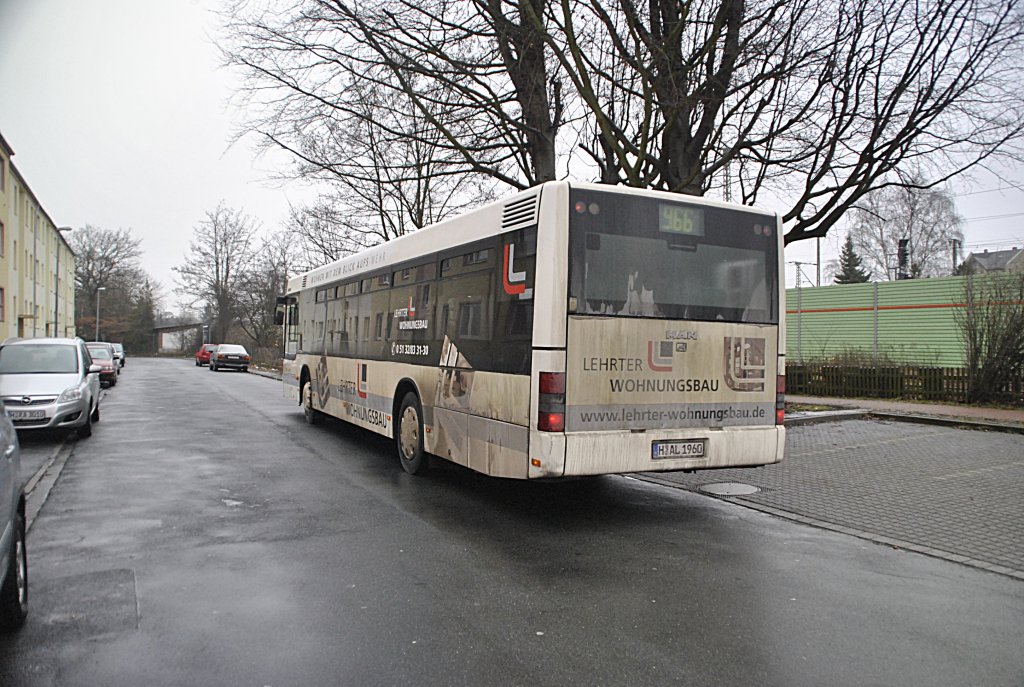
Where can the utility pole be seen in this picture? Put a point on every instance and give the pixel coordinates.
(818, 263)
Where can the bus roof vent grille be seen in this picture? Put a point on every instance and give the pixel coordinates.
(304, 278)
(520, 213)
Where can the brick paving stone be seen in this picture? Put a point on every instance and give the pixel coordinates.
(955, 491)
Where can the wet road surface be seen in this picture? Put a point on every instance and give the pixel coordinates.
(205, 535)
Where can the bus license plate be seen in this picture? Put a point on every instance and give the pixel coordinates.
(26, 414)
(678, 448)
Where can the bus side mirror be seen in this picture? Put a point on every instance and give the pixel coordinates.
(279, 316)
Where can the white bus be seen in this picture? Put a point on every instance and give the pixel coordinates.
(573, 329)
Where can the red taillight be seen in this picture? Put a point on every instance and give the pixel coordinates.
(551, 422)
(780, 399)
(551, 411)
(552, 382)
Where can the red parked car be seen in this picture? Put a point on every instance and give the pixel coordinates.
(102, 354)
(203, 354)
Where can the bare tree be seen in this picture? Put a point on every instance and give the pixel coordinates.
(382, 182)
(475, 72)
(807, 105)
(992, 324)
(100, 254)
(108, 259)
(259, 287)
(926, 219)
(220, 253)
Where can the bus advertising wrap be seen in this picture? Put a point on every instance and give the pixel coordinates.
(660, 374)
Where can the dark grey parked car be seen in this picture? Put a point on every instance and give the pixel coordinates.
(231, 357)
(13, 556)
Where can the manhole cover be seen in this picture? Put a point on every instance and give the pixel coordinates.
(729, 489)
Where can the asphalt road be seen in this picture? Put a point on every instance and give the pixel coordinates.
(205, 535)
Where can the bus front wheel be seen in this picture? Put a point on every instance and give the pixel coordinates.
(409, 435)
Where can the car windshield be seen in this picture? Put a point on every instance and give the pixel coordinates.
(231, 348)
(100, 352)
(210, 347)
(38, 358)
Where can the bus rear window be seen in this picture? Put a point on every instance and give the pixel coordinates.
(633, 256)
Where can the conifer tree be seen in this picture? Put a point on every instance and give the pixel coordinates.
(850, 271)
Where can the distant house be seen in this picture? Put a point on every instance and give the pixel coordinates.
(1016, 263)
(996, 261)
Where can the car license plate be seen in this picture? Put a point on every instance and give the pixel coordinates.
(26, 414)
(678, 448)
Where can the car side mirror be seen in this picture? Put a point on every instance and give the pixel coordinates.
(95, 369)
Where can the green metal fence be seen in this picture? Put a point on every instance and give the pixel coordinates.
(905, 322)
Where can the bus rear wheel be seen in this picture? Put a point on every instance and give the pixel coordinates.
(409, 435)
(311, 414)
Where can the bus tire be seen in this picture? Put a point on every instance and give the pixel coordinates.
(311, 414)
(409, 435)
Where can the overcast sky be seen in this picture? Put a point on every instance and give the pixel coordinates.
(118, 114)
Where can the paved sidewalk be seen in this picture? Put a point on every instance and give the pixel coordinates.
(938, 410)
(936, 489)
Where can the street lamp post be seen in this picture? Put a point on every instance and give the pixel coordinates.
(56, 292)
(101, 288)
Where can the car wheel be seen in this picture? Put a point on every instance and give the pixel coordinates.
(213, 368)
(14, 594)
(409, 435)
(245, 369)
(96, 413)
(198, 364)
(114, 382)
(85, 430)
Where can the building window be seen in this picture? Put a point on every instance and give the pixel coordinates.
(3, 310)
(3, 239)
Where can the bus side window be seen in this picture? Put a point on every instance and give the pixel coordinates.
(513, 312)
(465, 301)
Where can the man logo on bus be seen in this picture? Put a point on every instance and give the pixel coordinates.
(659, 355)
(361, 380)
(514, 282)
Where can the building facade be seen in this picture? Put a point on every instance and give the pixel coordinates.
(37, 266)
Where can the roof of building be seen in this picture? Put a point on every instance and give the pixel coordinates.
(994, 261)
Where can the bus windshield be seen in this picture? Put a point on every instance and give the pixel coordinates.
(638, 256)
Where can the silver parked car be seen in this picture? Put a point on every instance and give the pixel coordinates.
(119, 354)
(50, 384)
(13, 556)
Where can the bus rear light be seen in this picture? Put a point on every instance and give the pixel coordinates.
(551, 422)
(780, 399)
(551, 410)
(552, 383)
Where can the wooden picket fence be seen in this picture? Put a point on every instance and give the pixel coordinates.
(910, 382)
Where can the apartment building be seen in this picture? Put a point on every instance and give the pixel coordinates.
(37, 266)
